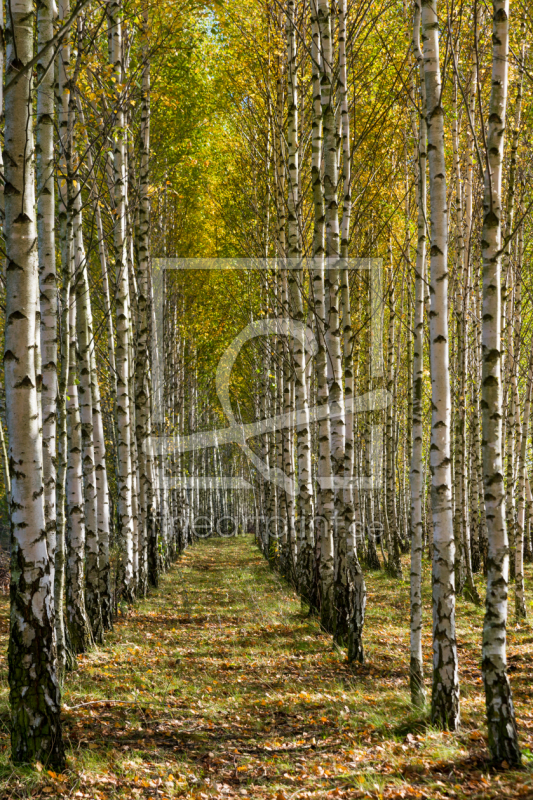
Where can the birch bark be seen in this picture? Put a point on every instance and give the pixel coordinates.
(102, 488)
(76, 614)
(416, 672)
(87, 417)
(462, 302)
(445, 691)
(503, 738)
(520, 602)
(333, 342)
(34, 689)
(305, 556)
(354, 601)
(63, 652)
(322, 35)
(125, 477)
(143, 391)
(44, 149)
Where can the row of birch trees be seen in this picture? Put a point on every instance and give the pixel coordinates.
(399, 133)
(91, 508)
(399, 383)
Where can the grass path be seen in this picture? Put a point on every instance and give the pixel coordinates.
(219, 686)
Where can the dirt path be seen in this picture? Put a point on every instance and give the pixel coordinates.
(218, 686)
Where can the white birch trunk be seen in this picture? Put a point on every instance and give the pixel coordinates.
(65, 655)
(332, 324)
(34, 689)
(76, 614)
(44, 147)
(416, 672)
(462, 308)
(352, 581)
(520, 601)
(87, 418)
(306, 543)
(503, 739)
(102, 488)
(325, 503)
(445, 692)
(125, 477)
(143, 383)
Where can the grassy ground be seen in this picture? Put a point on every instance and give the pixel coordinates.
(219, 686)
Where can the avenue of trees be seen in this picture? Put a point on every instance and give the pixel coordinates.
(371, 161)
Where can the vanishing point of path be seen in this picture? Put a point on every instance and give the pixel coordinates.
(219, 685)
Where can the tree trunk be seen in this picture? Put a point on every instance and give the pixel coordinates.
(445, 691)
(305, 539)
(87, 414)
(76, 615)
(416, 672)
(34, 690)
(102, 488)
(503, 738)
(143, 382)
(44, 149)
(125, 477)
(325, 498)
(354, 601)
(520, 601)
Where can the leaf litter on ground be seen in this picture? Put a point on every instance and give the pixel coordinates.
(220, 685)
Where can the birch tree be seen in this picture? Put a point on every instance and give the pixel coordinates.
(352, 581)
(102, 560)
(44, 148)
(84, 331)
(125, 477)
(333, 318)
(520, 601)
(76, 615)
(305, 565)
(503, 738)
(416, 674)
(445, 691)
(322, 51)
(143, 382)
(34, 689)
